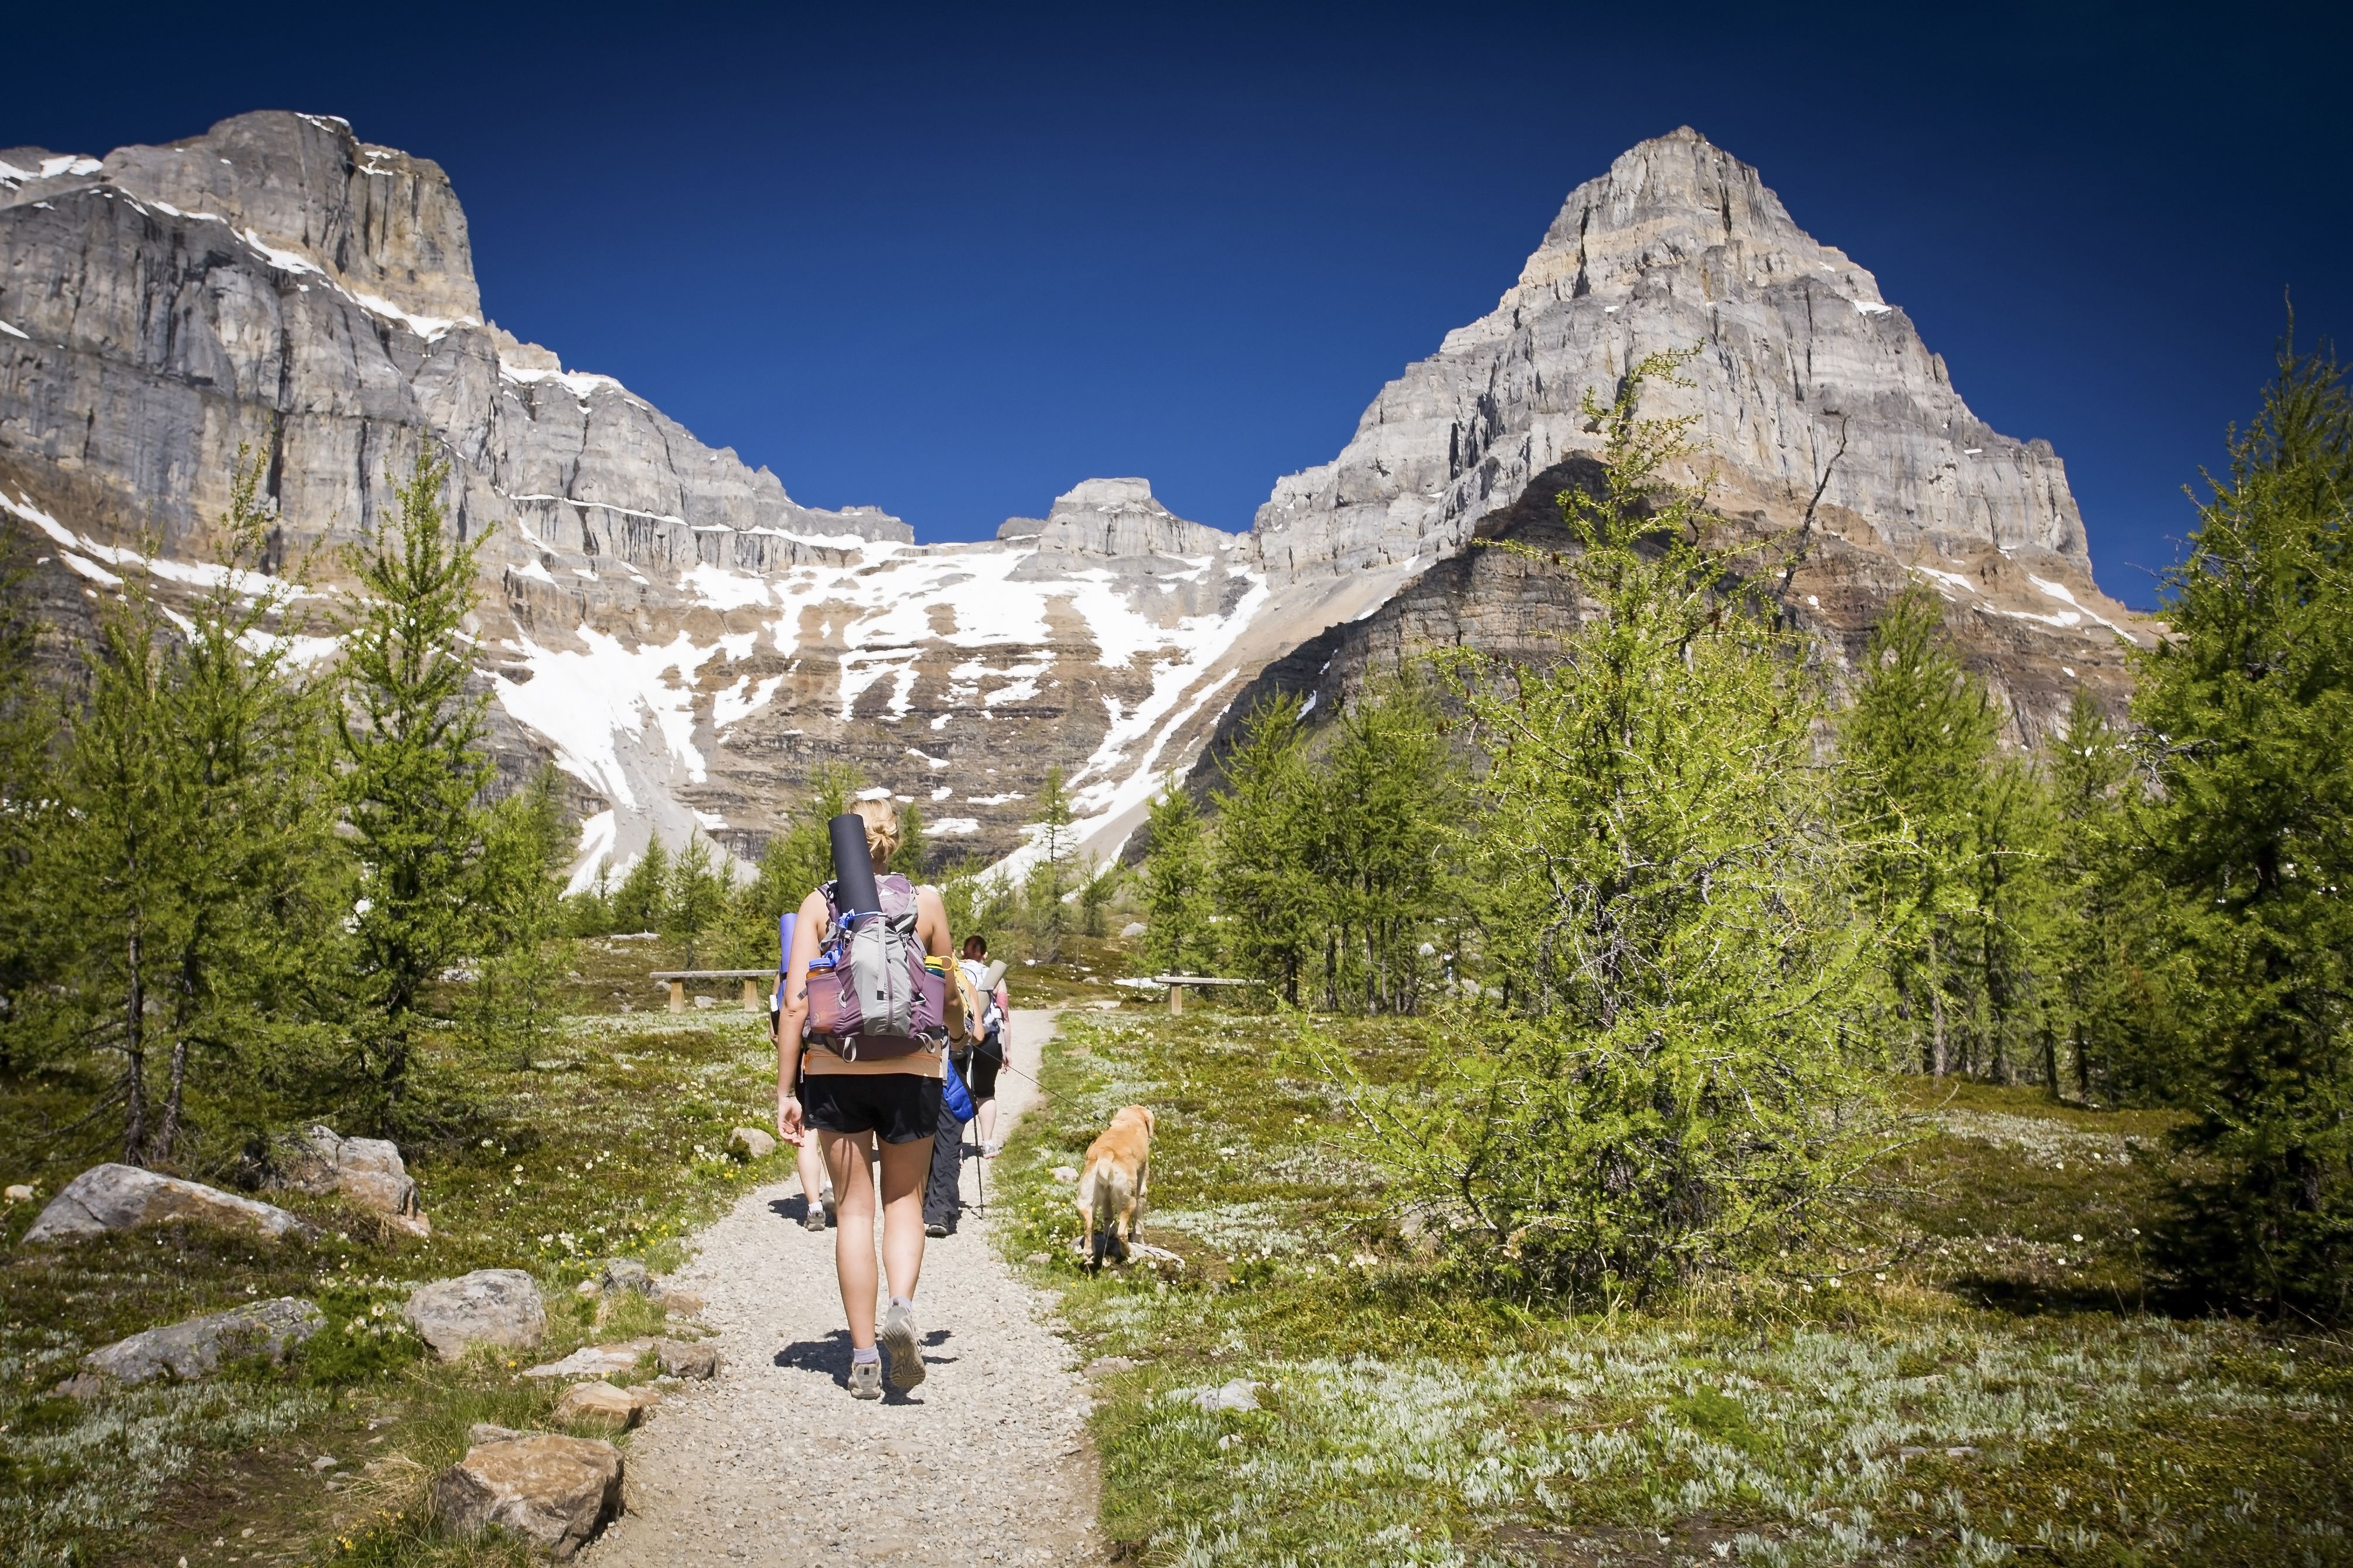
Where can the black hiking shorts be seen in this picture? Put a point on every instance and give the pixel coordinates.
(897, 1107)
(978, 1066)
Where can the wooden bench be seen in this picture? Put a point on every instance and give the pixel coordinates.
(755, 998)
(1176, 984)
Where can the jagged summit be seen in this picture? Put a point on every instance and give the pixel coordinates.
(1804, 371)
(688, 644)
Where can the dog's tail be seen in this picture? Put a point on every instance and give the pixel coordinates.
(1102, 1197)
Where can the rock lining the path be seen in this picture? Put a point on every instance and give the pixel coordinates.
(602, 1404)
(499, 1306)
(556, 1492)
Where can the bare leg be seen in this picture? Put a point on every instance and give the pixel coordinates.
(848, 1155)
(988, 1119)
(812, 1169)
(906, 1167)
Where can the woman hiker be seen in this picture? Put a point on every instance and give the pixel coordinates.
(975, 1050)
(852, 1105)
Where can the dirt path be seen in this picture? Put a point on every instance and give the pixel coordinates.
(775, 1463)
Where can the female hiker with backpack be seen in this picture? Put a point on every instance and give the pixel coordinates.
(869, 1081)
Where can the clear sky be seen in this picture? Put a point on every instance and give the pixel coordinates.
(950, 262)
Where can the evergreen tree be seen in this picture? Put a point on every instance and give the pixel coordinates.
(914, 849)
(1178, 938)
(1914, 749)
(414, 765)
(1668, 1092)
(189, 878)
(641, 904)
(1379, 843)
(2248, 707)
(1048, 881)
(519, 906)
(1264, 888)
(1099, 883)
(2110, 996)
(697, 896)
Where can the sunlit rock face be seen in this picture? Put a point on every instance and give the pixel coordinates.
(687, 643)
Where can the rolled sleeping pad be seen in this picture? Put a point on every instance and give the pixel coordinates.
(853, 867)
(995, 973)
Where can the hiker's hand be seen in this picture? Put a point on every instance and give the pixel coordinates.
(789, 1118)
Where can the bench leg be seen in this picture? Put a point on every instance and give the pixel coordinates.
(678, 996)
(1176, 1000)
(752, 999)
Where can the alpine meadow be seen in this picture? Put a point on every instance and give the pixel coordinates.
(1700, 993)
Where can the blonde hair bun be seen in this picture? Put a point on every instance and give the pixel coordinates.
(881, 819)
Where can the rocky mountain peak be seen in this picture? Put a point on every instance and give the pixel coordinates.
(384, 225)
(1122, 519)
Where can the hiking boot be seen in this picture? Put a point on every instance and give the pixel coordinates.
(866, 1379)
(935, 1229)
(814, 1220)
(992, 1148)
(898, 1347)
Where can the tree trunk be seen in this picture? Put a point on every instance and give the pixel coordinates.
(1938, 1061)
(135, 1060)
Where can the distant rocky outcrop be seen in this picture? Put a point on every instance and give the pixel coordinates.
(689, 643)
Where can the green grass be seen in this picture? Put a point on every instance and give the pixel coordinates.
(611, 1146)
(1996, 1394)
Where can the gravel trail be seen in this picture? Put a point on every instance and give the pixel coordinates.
(987, 1461)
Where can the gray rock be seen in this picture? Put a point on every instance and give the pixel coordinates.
(1240, 1393)
(627, 1274)
(123, 1197)
(556, 1492)
(752, 1143)
(1133, 928)
(367, 1170)
(594, 1361)
(197, 1347)
(678, 1358)
(499, 1306)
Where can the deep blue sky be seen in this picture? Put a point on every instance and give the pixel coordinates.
(950, 262)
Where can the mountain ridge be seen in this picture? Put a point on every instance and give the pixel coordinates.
(687, 643)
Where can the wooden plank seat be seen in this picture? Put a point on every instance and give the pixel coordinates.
(756, 996)
(1176, 984)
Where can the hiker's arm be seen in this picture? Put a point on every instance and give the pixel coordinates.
(792, 1013)
(931, 923)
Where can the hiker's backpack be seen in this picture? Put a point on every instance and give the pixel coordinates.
(873, 993)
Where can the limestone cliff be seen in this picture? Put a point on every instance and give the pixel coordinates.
(687, 642)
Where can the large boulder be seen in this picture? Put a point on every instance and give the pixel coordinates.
(556, 1492)
(752, 1143)
(120, 1197)
(367, 1170)
(602, 1404)
(498, 1307)
(197, 1348)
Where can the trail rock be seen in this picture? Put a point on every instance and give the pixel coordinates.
(594, 1361)
(680, 1359)
(681, 1303)
(602, 1404)
(556, 1492)
(123, 1197)
(752, 1143)
(489, 1307)
(482, 1432)
(626, 1274)
(197, 1348)
(1238, 1394)
(367, 1170)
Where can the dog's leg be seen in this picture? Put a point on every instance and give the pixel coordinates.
(1136, 1207)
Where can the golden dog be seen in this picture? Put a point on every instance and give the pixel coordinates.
(1112, 1185)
